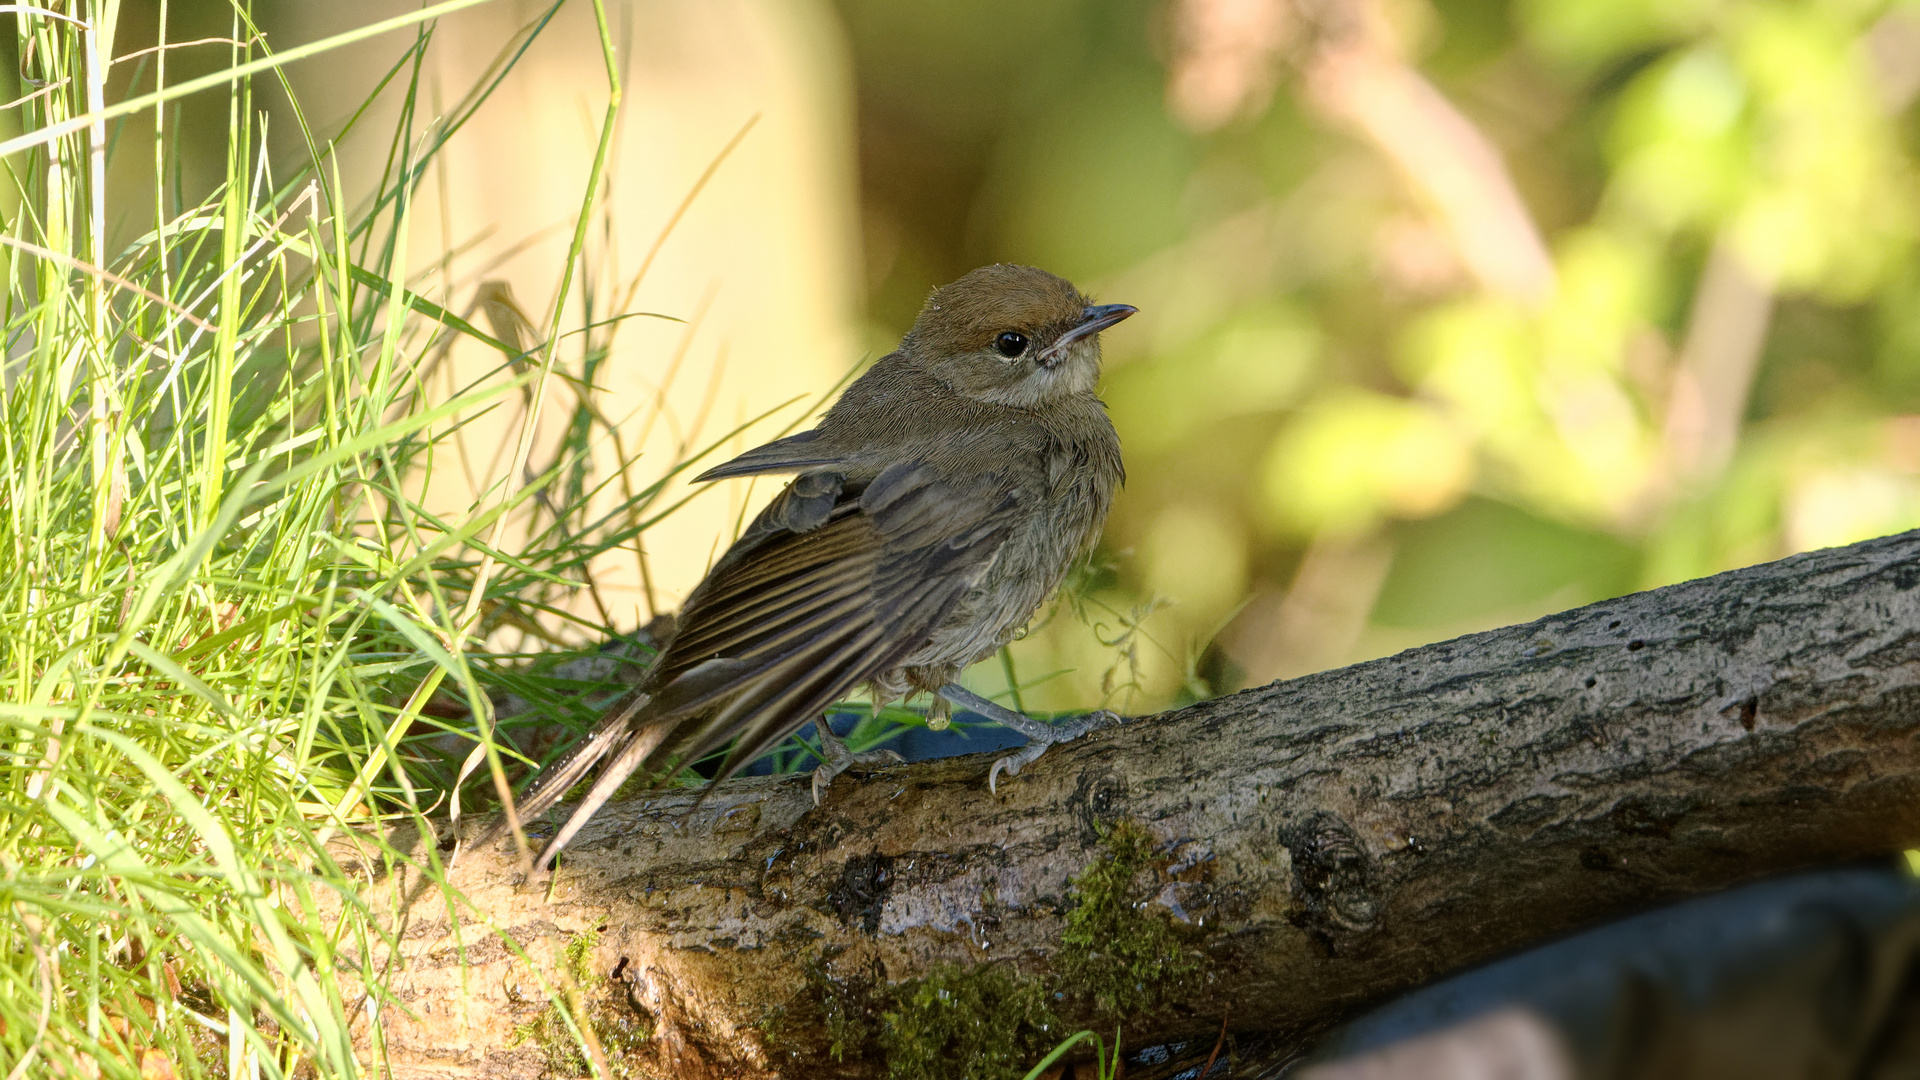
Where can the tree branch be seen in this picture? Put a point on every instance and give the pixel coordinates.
(1315, 844)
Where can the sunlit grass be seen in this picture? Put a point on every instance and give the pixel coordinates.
(226, 614)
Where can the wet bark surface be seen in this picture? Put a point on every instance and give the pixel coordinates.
(1317, 844)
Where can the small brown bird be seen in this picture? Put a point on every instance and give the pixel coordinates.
(939, 501)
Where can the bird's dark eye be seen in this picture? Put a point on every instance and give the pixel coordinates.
(1010, 343)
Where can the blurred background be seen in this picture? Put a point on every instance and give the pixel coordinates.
(1453, 312)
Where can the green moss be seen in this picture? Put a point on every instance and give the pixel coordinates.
(990, 1021)
(986, 1022)
(620, 1026)
(1113, 951)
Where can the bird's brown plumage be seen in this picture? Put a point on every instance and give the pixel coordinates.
(936, 505)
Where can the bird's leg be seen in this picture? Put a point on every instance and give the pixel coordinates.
(839, 759)
(939, 713)
(1040, 732)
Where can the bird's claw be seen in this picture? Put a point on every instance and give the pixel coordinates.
(840, 762)
(1012, 763)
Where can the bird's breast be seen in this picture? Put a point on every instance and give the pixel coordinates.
(1063, 496)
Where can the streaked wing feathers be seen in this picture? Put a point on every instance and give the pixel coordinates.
(831, 585)
(802, 618)
(791, 454)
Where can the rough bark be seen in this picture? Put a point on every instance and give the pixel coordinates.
(1318, 843)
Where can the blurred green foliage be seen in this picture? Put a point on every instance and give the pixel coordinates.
(1718, 371)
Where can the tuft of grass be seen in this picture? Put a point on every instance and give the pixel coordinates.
(228, 628)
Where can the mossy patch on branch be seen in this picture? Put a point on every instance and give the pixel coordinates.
(992, 1021)
(1114, 952)
(988, 1022)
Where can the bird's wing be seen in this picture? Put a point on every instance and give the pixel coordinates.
(793, 454)
(805, 504)
(806, 612)
(831, 585)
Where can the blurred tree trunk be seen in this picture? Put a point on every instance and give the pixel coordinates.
(1316, 844)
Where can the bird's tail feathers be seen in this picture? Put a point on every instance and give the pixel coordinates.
(614, 731)
(633, 752)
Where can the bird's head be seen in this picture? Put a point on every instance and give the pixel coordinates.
(1012, 335)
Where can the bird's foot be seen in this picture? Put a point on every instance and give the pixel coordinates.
(839, 759)
(1066, 731)
(1040, 733)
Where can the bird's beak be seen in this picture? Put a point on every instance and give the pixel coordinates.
(1092, 321)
